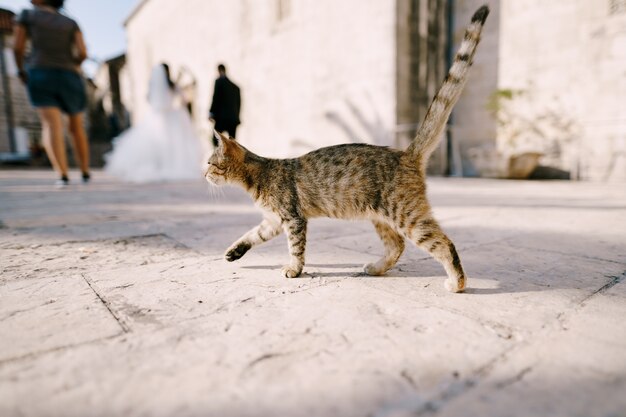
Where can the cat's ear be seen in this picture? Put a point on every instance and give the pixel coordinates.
(220, 138)
(226, 146)
(217, 136)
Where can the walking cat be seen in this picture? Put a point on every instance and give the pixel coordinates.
(353, 181)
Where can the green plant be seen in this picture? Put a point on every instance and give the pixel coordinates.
(527, 122)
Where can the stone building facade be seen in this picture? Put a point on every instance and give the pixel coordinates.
(568, 60)
(19, 124)
(20, 128)
(548, 77)
(308, 76)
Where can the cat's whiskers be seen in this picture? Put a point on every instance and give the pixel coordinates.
(214, 191)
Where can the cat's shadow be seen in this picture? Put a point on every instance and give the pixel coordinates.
(393, 273)
(310, 274)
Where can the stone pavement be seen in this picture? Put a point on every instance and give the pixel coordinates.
(115, 301)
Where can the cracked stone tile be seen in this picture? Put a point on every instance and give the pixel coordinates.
(169, 292)
(59, 259)
(618, 289)
(592, 246)
(519, 290)
(578, 370)
(341, 360)
(50, 313)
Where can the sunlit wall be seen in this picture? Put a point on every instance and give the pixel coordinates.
(311, 73)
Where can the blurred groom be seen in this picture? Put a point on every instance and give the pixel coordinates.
(225, 105)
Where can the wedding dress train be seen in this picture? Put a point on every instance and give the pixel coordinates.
(163, 145)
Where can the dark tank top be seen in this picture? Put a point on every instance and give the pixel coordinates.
(52, 39)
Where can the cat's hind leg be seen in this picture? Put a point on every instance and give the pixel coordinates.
(394, 246)
(428, 236)
(255, 236)
(295, 229)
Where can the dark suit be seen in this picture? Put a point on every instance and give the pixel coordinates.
(225, 106)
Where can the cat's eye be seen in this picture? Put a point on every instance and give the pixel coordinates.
(216, 167)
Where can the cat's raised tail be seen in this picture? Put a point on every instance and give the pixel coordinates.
(429, 132)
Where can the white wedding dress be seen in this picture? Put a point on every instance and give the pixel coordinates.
(162, 146)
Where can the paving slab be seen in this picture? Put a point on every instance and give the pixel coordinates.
(115, 300)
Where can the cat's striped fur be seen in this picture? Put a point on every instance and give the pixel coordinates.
(354, 181)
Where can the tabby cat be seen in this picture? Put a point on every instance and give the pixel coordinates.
(352, 181)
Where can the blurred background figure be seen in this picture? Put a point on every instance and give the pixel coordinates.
(225, 105)
(549, 112)
(163, 145)
(52, 76)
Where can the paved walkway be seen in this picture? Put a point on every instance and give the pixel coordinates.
(115, 301)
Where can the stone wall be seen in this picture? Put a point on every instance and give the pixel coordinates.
(569, 59)
(471, 124)
(422, 34)
(311, 73)
(24, 115)
(318, 73)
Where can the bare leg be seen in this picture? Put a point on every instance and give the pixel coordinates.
(52, 138)
(296, 237)
(428, 236)
(81, 143)
(394, 246)
(257, 235)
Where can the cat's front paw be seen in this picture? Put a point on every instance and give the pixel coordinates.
(290, 272)
(237, 251)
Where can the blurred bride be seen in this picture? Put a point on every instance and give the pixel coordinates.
(163, 145)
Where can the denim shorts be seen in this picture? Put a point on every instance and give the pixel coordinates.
(51, 87)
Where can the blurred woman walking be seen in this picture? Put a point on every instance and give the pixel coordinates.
(52, 75)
